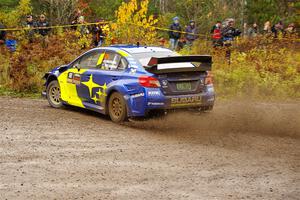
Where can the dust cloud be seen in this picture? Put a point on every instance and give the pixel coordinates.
(281, 119)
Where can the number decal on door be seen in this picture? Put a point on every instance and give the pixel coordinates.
(74, 78)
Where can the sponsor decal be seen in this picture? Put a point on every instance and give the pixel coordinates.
(138, 95)
(156, 103)
(186, 100)
(154, 93)
(132, 70)
(164, 83)
(70, 75)
(73, 78)
(133, 63)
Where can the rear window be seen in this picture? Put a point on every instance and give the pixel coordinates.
(144, 59)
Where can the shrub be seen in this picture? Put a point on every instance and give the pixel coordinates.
(266, 71)
(133, 25)
(28, 64)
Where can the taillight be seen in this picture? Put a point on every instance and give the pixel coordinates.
(209, 78)
(149, 81)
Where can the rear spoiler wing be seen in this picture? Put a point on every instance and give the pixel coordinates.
(205, 64)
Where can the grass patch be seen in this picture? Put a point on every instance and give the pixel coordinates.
(4, 91)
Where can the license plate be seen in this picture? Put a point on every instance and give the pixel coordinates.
(184, 86)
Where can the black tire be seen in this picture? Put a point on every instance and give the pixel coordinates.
(117, 109)
(53, 94)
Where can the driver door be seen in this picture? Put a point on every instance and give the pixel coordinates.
(75, 82)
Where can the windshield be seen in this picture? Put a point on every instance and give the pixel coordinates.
(144, 59)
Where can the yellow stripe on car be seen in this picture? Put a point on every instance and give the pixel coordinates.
(123, 53)
(101, 57)
(68, 91)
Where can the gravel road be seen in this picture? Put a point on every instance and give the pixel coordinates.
(241, 150)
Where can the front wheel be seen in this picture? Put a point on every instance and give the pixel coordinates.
(53, 94)
(117, 108)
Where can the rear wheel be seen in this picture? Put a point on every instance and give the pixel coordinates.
(53, 94)
(117, 108)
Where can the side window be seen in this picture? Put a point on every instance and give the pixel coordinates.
(123, 64)
(88, 61)
(113, 61)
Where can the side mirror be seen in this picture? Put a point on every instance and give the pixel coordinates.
(77, 67)
(63, 68)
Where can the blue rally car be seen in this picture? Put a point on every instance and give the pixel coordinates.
(132, 81)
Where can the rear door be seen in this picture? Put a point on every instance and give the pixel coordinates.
(110, 68)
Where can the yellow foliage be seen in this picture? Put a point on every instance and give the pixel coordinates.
(14, 17)
(10, 19)
(133, 25)
(271, 70)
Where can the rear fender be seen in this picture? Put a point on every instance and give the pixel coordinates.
(127, 93)
(110, 90)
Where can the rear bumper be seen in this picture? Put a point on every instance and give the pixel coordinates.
(183, 101)
(142, 104)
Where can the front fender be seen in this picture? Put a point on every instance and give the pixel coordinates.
(54, 73)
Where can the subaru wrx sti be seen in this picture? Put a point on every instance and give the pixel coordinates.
(127, 81)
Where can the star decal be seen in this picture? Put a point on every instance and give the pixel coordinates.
(95, 99)
(101, 93)
(90, 84)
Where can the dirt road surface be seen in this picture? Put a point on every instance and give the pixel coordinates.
(241, 150)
